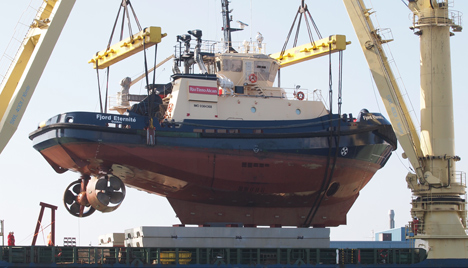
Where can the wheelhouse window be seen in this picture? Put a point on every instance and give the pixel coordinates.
(262, 69)
(232, 65)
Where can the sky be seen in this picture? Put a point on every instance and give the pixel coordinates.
(69, 83)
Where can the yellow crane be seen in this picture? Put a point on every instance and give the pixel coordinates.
(438, 204)
(29, 63)
(27, 67)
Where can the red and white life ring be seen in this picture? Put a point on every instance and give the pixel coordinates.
(300, 95)
(383, 253)
(253, 78)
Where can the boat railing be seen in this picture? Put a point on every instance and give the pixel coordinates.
(208, 46)
(115, 102)
(287, 93)
(460, 178)
(309, 95)
(452, 19)
(415, 230)
(457, 18)
(43, 256)
(119, 102)
(241, 47)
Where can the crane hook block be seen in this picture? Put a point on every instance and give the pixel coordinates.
(126, 48)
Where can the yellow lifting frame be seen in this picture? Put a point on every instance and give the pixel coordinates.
(311, 50)
(126, 48)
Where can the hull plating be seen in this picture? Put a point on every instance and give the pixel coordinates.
(255, 179)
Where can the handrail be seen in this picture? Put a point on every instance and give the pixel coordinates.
(42, 256)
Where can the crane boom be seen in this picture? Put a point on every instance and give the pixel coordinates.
(322, 47)
(146, 38)
(29, 63)
(439, 196)
(371, 44)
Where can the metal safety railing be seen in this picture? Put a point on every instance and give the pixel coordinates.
(43, 256)
(413, 230)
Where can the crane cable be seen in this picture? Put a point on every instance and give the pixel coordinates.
(328, 175)
(99, 85)
(303, 10)
(125, 14)
(150, 90)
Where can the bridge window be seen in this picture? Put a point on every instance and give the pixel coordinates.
(262, 69)
(232, 65)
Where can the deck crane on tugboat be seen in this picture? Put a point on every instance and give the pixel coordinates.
(438, 203)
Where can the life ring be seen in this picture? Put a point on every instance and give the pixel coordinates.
(383, 253)
(253, 78)
(300, 95)
(169, 108)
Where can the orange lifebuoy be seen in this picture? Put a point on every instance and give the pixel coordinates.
(300, 95)
(253, 78)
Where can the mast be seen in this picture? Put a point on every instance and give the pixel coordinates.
(227, 18)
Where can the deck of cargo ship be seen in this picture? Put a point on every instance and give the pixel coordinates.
(43, 256)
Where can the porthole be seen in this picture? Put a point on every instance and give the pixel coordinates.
(298, 111)
(253, 109)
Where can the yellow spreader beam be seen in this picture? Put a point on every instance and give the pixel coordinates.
(311, 50)
(125, 48)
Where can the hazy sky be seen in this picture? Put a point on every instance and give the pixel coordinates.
(69, 84)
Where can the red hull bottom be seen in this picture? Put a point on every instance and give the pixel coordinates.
(196, 213)
(208, 186)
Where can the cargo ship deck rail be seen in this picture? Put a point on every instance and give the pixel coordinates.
(43, 256)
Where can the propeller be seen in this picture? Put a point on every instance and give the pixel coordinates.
(106, 193)
(75, 199)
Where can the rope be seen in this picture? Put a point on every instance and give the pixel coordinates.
(36, 234)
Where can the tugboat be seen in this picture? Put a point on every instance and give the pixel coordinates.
(224, 145)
